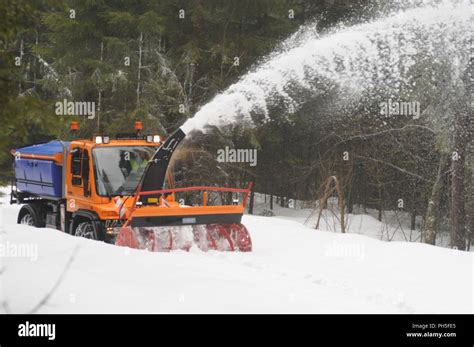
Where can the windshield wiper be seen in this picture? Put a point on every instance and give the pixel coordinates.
(105, 180)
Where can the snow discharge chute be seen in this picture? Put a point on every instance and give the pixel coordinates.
(158, 222)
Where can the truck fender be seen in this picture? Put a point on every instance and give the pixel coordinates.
(35, 211)
(90, 215)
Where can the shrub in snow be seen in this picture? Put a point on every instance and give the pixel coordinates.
(267, 213)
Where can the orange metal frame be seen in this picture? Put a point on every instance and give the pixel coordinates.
(159, 210)
(200, 188)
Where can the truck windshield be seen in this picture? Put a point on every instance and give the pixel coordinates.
(119, 169)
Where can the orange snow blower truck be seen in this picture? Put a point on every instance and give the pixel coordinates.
(121, 191)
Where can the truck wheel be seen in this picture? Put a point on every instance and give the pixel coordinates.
(31, 215)
(86, 230)
(27, 219)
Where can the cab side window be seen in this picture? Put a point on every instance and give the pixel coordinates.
(76, 166)
(85, 172)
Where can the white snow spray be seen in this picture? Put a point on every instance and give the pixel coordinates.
(356, 61)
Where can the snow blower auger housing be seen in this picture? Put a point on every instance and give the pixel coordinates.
(119, 190)
(157, 222)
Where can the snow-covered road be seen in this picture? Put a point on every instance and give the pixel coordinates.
(292, 269)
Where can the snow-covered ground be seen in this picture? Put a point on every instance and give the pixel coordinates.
(293, 268)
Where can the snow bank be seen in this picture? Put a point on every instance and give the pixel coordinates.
(292, 269)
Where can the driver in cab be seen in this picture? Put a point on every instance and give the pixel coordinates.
(134, 162)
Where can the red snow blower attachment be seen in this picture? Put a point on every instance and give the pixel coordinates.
(159, 220)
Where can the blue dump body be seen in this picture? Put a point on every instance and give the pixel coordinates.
(40, 177)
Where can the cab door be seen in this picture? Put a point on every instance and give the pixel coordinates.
(78, 178)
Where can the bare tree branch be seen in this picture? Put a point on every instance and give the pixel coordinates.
(395, 167)
(364, 136)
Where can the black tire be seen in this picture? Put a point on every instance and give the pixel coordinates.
(85, 228)
(31, 215)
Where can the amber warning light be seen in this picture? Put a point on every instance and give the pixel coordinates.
(138, 125)
(74, 126)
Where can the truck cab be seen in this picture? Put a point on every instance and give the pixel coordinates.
(97, 172)
(90, 175)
